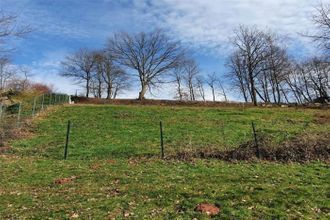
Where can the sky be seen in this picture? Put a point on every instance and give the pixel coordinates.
(61, 27)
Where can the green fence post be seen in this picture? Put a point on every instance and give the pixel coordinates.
(19, 114)
(255, 139)
(161, 139)
(42, 102)
(50, 99)
(67, 140)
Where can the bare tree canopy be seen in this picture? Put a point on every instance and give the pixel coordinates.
(152, 55)
(191, 70)
(215, 84)
(322, 22)
(9, 28)
(109, 76)
(6, 74)
(79, 66)
(212, 81)
(178, 75)
(249, 56)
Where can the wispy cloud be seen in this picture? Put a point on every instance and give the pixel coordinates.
(209, 24)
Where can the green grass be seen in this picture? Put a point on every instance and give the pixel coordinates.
(157, 189)
(123, 131)
(107, 152)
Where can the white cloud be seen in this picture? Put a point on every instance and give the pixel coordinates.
(209, 24)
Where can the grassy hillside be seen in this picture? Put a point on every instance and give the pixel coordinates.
(114, 155)
(123, 131)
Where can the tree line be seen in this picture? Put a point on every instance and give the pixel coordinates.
(153, 58)
(259, 67)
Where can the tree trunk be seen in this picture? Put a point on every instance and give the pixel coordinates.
(213, 94)
(115, 93)
(108, 92)
(142, 92)
(99, 90)
(179, 91)
(253, 90)
(87, 88)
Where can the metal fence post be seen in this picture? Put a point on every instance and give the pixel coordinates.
(19, 114)
(1, 108)
(161, 139)
(67, 140)
(3, 114)
(255, 139)
(50, 99)
(42, 102)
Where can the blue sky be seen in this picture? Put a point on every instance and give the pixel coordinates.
(205, 26)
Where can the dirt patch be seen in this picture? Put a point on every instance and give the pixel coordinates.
(65, 180)
(5, 149)
(95, 166)
(322, 118)
(84, 100)
(111, 161)
(11, 132)
(301, 149)
(22, 133)
(208, 209)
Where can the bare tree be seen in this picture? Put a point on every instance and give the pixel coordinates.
(308, 81)
(20, 79)
(108, 76)
(10, 28)
(79, 66)
(191, 73)
(97, 80)
(200, 86)
(237, 74)
(178, 76)
(26, 74)
(212, 81)
(223, 91)
(6, 74)
(251, 46)
(322, 22)
(152, 55)
(277, 64)
(319, 78)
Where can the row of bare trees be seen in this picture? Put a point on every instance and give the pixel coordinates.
(190, 83)
(261, 69)
(98, 71)
(151, 58)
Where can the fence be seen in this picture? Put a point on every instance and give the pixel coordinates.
(120, 136)
(13, 116)
(105, 131)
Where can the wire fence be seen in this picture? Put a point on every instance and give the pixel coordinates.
(13, 116)
(166, 138)
(118, 132)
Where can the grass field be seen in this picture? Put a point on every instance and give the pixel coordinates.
(114, 153)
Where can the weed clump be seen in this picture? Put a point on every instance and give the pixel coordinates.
(300, 149)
